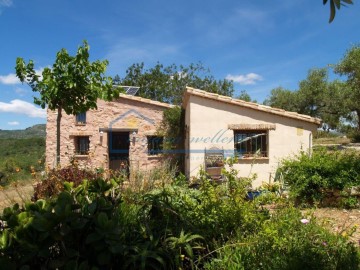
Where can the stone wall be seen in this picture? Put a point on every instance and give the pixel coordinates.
(140, 117)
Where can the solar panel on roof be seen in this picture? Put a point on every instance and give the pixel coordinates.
(132, 90)
(129, 90)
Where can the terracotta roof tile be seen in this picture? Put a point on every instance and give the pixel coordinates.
(251, 105)
(148, 101)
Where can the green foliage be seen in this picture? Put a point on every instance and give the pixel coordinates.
(349, 66)
(101, 224)
(284, 242)
(77, 229)
(349, 202)
(355, 136)
(311, 92)
(184, 245)
(172, 128)
(283, 99)
(167, 83)
(36, 131)
(20, 157)
(323, 134)
(72, 84)
(316, 97)
(244, 96)
(54, 181)
(336, 4)
(310, 177)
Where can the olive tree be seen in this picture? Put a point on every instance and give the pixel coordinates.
(350, 67)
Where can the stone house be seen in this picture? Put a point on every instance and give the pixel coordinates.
(123, 133)
(260, 136)
(117, 134)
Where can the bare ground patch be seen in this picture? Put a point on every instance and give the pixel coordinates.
(16, 193)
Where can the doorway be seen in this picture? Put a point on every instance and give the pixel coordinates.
(119, 145)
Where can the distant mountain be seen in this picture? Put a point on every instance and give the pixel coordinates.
(35, 131)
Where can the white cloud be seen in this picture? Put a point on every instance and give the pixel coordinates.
(250, 78)
(6, 3)
(9, 79)
(20, 91)
(12, 79)
(22, 107)
(13, 123)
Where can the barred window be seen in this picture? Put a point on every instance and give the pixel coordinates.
(82, 145)
(155, 145)
(250, 143)
(81, 118)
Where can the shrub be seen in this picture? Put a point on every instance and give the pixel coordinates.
(354, 136)
(309, 177)
(287, 241)
(96, 225)
(11, 166)
(53, 184)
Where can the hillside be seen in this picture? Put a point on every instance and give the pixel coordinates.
(36, 131)
(22, 152)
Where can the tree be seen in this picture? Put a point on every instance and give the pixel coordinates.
(334, 107)
(72, 84)
(283, 98)
(336, 4)
(244, 96)
(350, 67)
(316, 97)
(167, 83)
(312, 91)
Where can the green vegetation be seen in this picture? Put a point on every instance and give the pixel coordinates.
(167, 83)
(36, 131)
(19, 158)
(335, 102)
(103, 223)
(310, 179)
(72, 84)
(336, 4)
(286, 241)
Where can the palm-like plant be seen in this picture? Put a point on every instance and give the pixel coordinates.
(184, 245)
(336, 4)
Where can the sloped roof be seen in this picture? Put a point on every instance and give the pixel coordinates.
(146, 100)
(238, 102)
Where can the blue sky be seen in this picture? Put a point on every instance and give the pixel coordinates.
(259, 44)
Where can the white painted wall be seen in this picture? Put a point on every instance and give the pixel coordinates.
(208, 122)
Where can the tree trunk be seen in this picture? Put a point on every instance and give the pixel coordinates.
(358, 119)
(58, 121)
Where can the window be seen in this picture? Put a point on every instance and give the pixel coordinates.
(82, 145)
(155, 145)
(250, 143)
(81, 118)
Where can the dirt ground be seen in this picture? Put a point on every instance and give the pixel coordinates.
(340, 221)
(15, 193)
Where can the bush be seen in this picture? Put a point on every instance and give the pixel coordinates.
(53, 184)
(354, 136)
(287, 241)
(97, 225)
(325, 134)
(19, 158)
(309, 178)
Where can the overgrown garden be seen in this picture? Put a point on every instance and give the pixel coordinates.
(105, 222)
